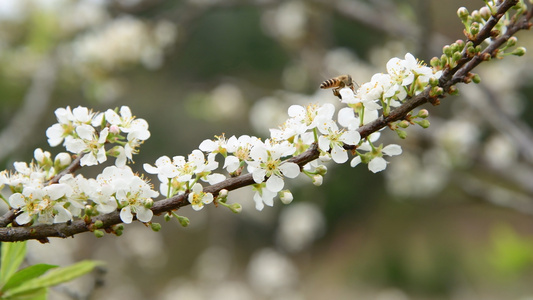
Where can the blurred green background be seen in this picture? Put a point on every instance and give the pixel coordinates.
(449, 219)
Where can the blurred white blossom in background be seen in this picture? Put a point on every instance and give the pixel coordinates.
(272, 273)
(300, 224)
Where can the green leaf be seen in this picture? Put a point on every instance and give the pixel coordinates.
(39, 294)
(54, 277)
(12, 256)
(26, 274)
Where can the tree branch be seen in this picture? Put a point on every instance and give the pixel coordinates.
(449, 78)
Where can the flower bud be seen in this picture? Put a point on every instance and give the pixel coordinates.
(485, 13)
(463, 14)
(184, 221)
(155, 227)
(460, 45)
(474, 28)
(62, 160)
(457, 56)
(114, 129)
(223, 193)
(167, 217)
(286, 196)
(321, 170)
(436, 91)
(434, 62)
(433, 81)
(520, 51)
(423, 123)
(511, 42)
(98, 224)
(148, 203)
(98, 233)
(90, 210)
(454, 47)
(318, 180)
(476, 79)
(423, 113)
(476, 16)
(403, 124)
(118, 230)
(447, 50)
(42, 157)
(443, 60)
(401, 134)
(470, 51)
(452, 90)
(236, 208)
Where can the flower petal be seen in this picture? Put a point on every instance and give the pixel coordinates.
(144, 214)
(377, 164)
(259, 205)
(289, 169)
(23, 218)
(339, 154)
(259, 153)
(85, 131)
(392, 150)
(351, 137)
(274, 183)
(259, 175)
(17, 200)
(355, 161)
(75, 145)
(323, 143)
(125, 215)
(62, 215)
(296, 111)
(207, 198)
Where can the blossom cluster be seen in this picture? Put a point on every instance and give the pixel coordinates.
(404, 78)
(77, 130)
(76, 196)
(269, 161)
(38, 198)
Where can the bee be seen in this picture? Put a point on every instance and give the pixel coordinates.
(338, 83)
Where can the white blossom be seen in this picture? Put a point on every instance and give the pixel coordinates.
(267, 163)
(401, 69)
(263, 196)
(334, 139)
(198, 198)
(89, 142)
(132, 193)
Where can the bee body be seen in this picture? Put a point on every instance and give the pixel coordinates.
(338, 83)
